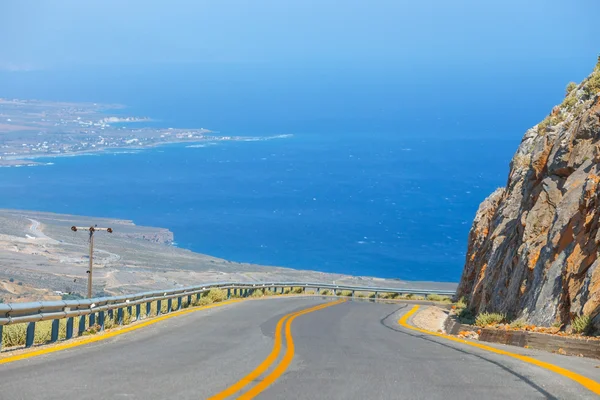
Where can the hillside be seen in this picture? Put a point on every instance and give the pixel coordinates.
(40, 256)
(533, 247)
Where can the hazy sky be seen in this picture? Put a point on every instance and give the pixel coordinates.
(59, 33)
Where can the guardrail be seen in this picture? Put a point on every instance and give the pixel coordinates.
(96, 308)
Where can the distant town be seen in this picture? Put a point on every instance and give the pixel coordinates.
(31, 129)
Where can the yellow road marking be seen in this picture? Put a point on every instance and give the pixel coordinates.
(271, 358)
(287, 357)
(107, 335)
(582, 380)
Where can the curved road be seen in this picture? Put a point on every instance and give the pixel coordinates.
(349, 350)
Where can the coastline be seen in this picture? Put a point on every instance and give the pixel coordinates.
(25, 160)
(40, 255)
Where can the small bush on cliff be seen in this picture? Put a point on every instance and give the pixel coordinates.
(582, 324)
(485, 319)
(543, 126)
(592, 86)
(569, 102)
(570, 87)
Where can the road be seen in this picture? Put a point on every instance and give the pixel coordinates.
(349, 350)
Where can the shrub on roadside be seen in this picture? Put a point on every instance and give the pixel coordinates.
(582, 324)
(484, 319)
(411, 296)
(437, 297)
(217, 295)
(518, 324)
(465, 316)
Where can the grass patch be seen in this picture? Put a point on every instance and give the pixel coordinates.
(518, 324)
(411, 296)
(484, 319)
(437, 297)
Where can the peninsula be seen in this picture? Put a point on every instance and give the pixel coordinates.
(31, 129)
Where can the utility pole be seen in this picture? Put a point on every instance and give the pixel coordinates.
(92, 230)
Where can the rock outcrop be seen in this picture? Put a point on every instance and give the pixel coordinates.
(534, 245)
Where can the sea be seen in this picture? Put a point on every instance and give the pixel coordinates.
(376, 174)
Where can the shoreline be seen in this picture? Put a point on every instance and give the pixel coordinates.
(29, 160)
(135, 258)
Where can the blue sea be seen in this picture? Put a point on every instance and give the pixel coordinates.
(381, 176)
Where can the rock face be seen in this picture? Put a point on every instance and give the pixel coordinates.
(534, 245)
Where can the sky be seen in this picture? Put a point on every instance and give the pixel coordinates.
(355, 34)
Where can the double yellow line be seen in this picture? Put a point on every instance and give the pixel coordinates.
(271, 358)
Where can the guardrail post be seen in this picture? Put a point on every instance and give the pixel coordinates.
(129, 313)
(92, 319)
(228, 294)
(101, 319)
(30, 334)
(54, 331)
(120, 316)
(110, 314)
(148, 309)
(81, 327)
(304, 290)
(198, 296)
(69, 334)
(179, 303)
(353, 294)
(158, 307)
(138, 311)
(169, 305)
(376, 296)
(318, 290)
(1, 327)
(335, 291)
(189, 300)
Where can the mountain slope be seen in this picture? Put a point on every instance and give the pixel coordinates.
(533, 247)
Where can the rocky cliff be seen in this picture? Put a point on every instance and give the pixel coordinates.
(534, 245)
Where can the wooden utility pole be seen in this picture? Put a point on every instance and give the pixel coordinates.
(91, 229)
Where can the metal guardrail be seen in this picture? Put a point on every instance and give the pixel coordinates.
(33, 312)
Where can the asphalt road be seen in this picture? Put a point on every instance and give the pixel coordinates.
(351, 350)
